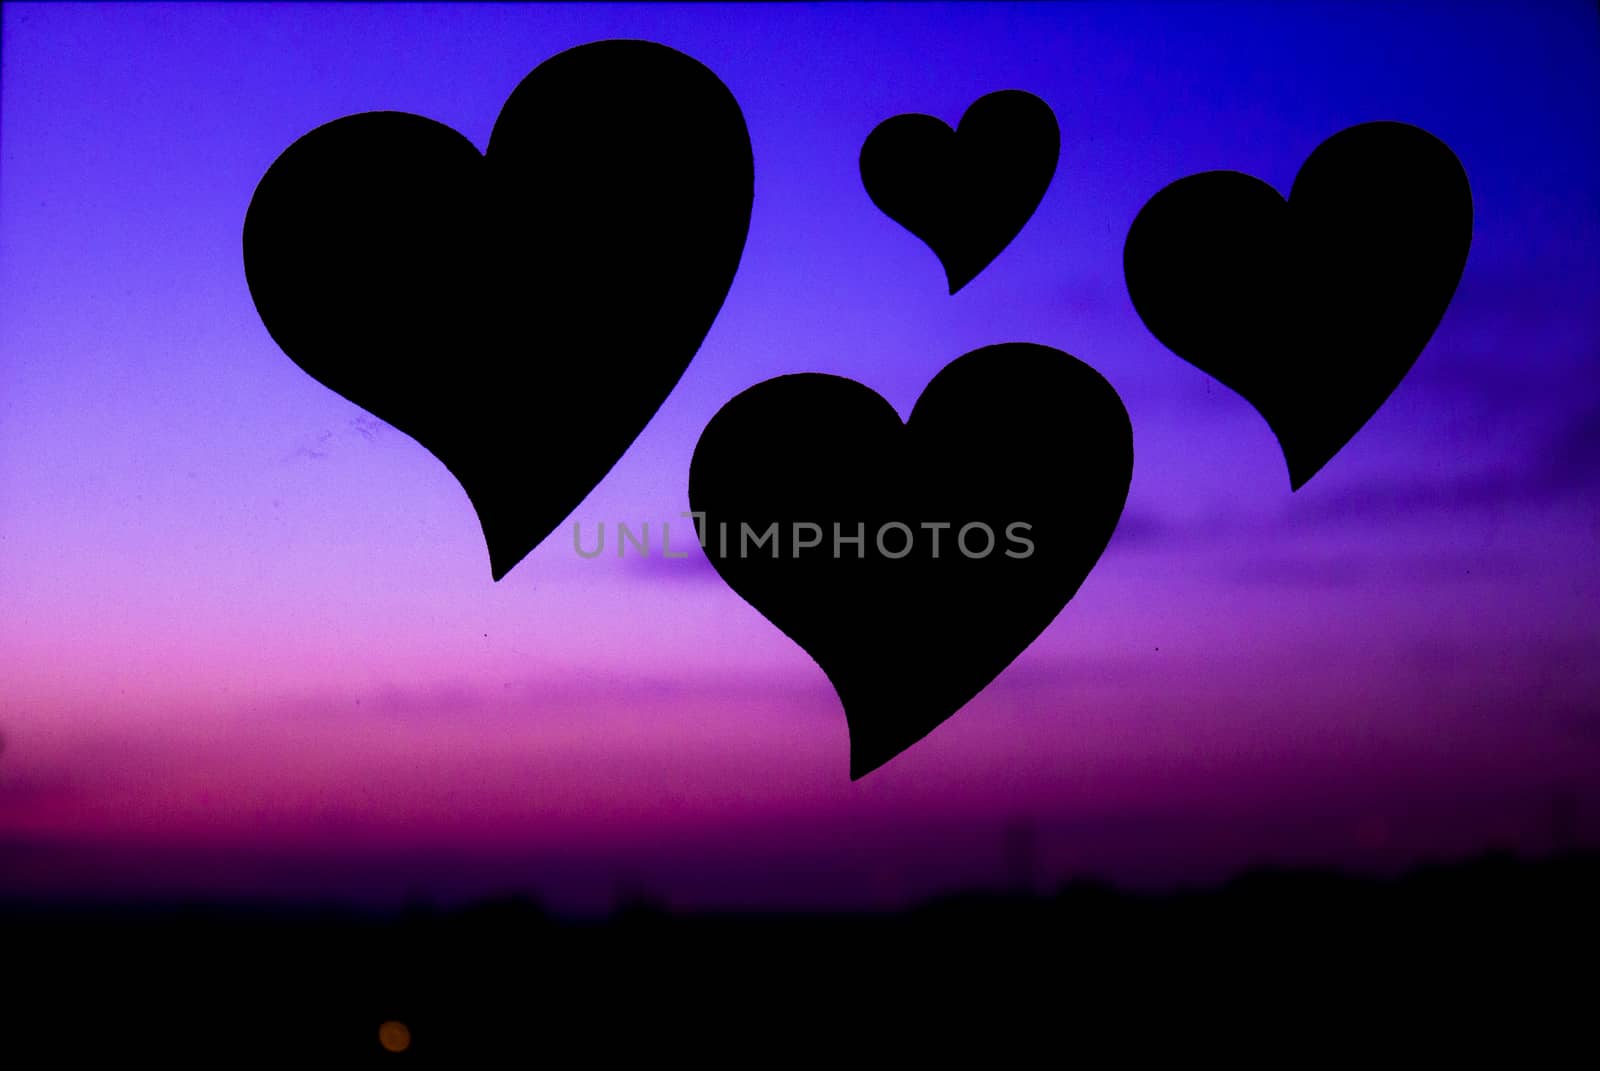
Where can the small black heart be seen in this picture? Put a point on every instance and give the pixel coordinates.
(521, 313)
(965, 192)
(1315, 308)
(979, 517)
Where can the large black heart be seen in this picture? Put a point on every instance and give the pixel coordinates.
(1315, 308)
(965, 192)
(979, 518)
(521, 313)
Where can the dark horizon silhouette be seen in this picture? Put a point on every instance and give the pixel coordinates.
(503, 978)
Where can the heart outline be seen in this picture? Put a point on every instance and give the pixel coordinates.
(444, 352)
(884, 639)
(1226, 273)
(965, 193)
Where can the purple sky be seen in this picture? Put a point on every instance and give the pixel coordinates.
(248, 641)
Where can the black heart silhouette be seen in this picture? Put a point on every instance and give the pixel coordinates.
(917, 619)
(520, 313)
(965, 192)
(1315, 308)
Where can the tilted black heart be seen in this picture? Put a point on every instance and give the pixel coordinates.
(521, 313)
(1315, 308)
(914, 561)
(965, 192)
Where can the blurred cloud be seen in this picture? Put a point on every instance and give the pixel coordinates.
(1352, 570)
(1571, 462)
(1585, 723)
(445, 697)
(1558, 464)
(22, 790)
(693, 566)
(1141, 528)
(17, 852)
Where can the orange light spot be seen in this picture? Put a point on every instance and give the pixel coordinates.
(396, 1037)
